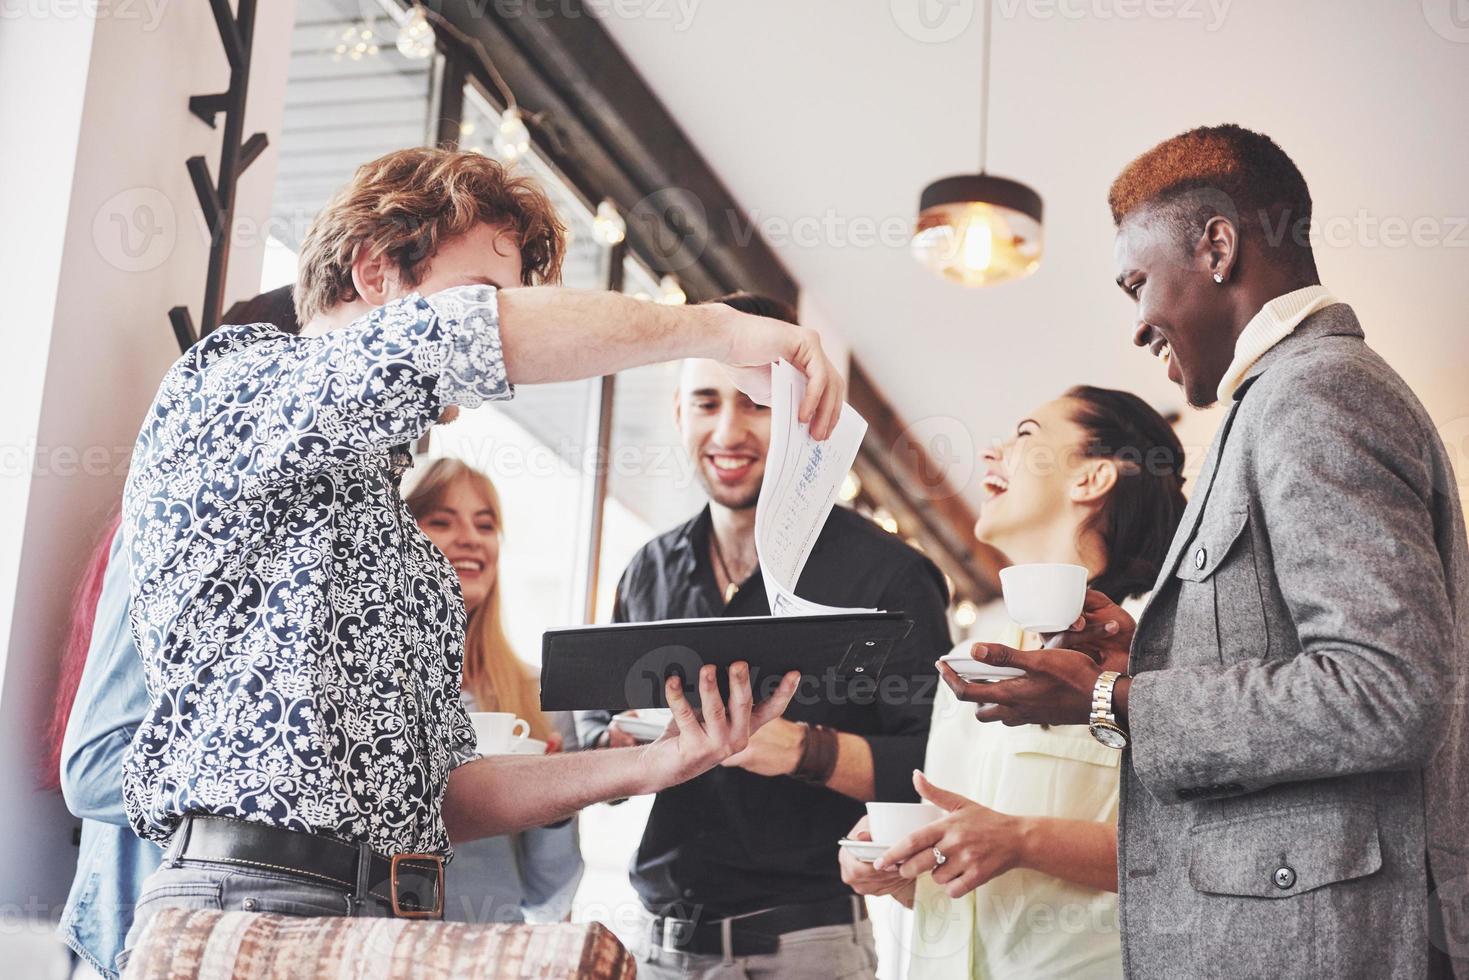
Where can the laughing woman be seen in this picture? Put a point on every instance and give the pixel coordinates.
(530, 876)
(1091, 478)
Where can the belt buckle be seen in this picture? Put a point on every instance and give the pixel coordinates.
(398, 911)
(675, 933)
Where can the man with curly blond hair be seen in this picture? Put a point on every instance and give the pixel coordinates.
(1292, 701)
(305, 749)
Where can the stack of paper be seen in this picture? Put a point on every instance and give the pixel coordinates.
(802, 480)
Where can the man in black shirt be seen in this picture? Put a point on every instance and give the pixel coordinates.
(741, 863)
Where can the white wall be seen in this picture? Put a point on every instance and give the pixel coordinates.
(102, 237)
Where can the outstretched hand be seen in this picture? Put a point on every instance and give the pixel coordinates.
(692, 745)
(1056, 689)
(756, 342)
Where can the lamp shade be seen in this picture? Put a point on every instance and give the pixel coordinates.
(976, 229)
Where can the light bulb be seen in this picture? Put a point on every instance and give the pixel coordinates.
(851, 487)
(670, 293)
(512, 139)
(416, 35)
(965, 614)
(979, 244)
(978, 230)
(884, 519)
(609, 224)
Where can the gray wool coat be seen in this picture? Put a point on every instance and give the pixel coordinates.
(1295, 800)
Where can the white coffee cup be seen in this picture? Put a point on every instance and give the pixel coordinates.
(1044, 598)
(498, 732)
(891, 822)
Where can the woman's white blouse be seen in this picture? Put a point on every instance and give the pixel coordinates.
(1022, 923)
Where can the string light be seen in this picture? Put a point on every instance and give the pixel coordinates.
(355, 43)
(608, 224)
(884, 519)
(670, 293)
(416, 35)
(416, 39)
(851, 487)
(512, 140)
(965, 614)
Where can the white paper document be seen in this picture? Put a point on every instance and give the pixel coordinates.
(802, 480)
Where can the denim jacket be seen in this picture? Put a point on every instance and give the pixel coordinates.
(531, 876)
(110, 703)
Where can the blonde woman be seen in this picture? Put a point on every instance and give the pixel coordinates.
(530, 876)
(1028, 885)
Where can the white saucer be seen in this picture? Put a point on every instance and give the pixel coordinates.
(970, 669)
(528, 746)
(647, 725)
(862, 850)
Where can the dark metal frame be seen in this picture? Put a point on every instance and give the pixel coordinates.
(606, 395)
(606, 132)
(459, 68)
(217, 200)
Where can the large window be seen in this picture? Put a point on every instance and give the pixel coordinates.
(539, 449)
(350, 96)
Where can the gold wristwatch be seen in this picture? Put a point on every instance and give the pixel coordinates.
(1104, 725)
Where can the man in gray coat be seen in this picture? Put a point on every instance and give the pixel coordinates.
(1295, 788)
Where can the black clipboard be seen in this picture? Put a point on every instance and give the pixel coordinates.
(625, 666)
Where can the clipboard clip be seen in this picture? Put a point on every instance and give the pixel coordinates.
(865, 658)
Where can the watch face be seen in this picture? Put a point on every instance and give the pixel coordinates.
(1109, 735)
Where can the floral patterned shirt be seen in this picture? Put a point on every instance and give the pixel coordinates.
(302, 641)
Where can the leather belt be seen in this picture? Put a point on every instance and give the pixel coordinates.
(753, 934)
(412, 884)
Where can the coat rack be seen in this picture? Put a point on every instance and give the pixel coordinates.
(217, 201)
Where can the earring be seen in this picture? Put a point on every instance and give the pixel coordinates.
(1219, 278)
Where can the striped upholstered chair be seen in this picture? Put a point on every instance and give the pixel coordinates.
(187, 945)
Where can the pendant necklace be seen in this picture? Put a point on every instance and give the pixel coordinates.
(732, 587)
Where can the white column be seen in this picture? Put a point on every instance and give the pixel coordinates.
(102, 236)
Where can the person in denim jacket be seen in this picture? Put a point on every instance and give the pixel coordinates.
(111, 702)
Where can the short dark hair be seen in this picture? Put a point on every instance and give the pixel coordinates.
(1221, 170)
(276, 307)
(760, 306)
(1138, 518)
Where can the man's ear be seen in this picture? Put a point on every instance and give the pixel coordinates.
(374, 277)
(1220, 247)
(678, 408)
(1094, 482)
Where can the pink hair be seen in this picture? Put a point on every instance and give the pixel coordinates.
(74, 653)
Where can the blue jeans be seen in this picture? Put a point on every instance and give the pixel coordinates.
(228, 887)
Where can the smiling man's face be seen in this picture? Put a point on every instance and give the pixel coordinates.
(1182, 316)
(724, 433)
